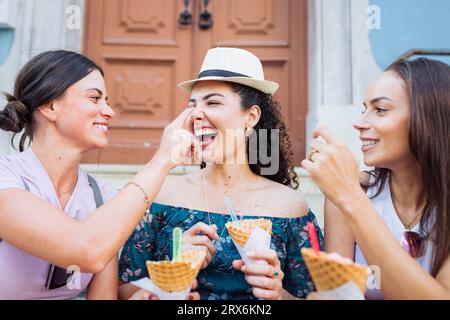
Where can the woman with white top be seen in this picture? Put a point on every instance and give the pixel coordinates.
(396, 217)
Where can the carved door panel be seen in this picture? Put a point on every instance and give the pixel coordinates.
(144, 53)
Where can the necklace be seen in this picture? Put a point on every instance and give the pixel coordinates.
(407, 225)
(207, 204)
(206, 195)
(62, 192)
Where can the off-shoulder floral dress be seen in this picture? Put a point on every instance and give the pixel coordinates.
(152, 240)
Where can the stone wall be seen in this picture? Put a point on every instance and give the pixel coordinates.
(38, 25)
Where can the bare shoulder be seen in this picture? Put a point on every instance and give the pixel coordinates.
(174, 186)
(170, 188)
(290, 202)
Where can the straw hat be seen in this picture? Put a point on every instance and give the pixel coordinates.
(232, 65)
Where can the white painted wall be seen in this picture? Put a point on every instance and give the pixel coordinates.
(341, 66)
(8, 17)
(39, 25)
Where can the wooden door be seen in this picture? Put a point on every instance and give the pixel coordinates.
(145, 52)
(276, 31)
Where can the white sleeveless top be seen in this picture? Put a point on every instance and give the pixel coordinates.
(385, 208)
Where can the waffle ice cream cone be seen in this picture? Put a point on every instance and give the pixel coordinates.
(329, 274)
(241, 234)
(175, 276)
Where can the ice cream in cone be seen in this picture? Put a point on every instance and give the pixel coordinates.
(329, 273)
(240, 234)
(175, 276)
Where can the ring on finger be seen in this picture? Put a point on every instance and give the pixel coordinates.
(311, 153)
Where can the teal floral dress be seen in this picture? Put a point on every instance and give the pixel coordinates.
(152, 240)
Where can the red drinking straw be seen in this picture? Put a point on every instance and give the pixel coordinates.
(312, 234)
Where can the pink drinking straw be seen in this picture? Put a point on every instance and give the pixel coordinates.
(312, 234)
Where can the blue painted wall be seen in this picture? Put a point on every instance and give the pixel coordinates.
(410, 24)
(6, 42)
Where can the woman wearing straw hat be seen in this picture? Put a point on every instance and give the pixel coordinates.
(231, 97)
(398, 219)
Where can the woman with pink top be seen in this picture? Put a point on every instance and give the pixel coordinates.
(56, 237)
(396, 217)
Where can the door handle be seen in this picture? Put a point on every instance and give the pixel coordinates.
(205, 20)
(185, 17)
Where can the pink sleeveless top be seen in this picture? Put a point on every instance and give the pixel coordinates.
(22, 275)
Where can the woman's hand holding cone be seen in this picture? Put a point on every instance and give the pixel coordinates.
(266, 279)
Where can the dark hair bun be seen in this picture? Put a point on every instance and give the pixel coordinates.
(14, 116)
(41, 80)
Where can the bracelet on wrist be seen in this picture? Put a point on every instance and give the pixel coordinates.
(146, 199)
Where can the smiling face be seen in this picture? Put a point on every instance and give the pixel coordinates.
(219, 121)
(82, 113)
(384, 124)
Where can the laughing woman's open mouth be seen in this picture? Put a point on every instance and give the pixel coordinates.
(206, 136)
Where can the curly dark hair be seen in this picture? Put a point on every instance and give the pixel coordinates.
(271, 119)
